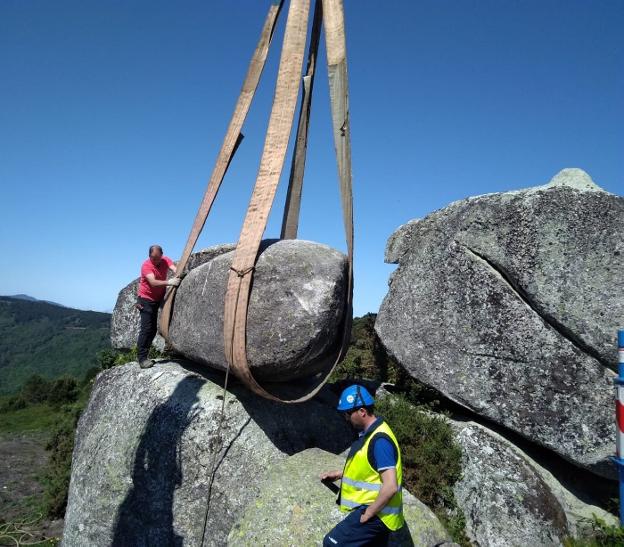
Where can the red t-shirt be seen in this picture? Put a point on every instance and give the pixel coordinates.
(148, 292)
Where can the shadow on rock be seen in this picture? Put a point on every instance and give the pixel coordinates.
(146, 514)
(291, 428)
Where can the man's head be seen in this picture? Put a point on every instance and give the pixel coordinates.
(357, 405)
(155, 254)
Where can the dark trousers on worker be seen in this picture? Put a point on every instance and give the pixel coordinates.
(350, 532)
(149, 326)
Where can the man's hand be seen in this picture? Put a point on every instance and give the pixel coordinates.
(366, 516)
(173, 282)
(330, 475)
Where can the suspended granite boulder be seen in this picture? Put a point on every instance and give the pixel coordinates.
(147, 442)
(125, 320)
(508, 304)
(295, 314)
(295, 508)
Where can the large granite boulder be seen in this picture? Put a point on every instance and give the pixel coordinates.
(295, 313)
(125, 319)
(509, 500)
(145, 447)
(508, 304)
(294, 508)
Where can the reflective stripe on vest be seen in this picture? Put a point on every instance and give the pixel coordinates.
(361, 483)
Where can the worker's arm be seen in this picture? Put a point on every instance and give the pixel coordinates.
(172, 267)
(331, 475)
(389, 488)
(151, 279)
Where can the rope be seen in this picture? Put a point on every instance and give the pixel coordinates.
(213, 466)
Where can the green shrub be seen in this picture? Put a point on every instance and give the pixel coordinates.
(597, 533)
(56, 474)
(35, 390)
(366, 357)
(431, 456)
(63, 391)
(17, 402)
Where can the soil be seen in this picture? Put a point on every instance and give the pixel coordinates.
(22, 457)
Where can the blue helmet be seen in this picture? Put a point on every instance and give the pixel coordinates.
(355, 396)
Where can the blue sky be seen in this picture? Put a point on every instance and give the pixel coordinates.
(112, 112)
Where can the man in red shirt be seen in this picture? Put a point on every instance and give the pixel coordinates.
(152, 287)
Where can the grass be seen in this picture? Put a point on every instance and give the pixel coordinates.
(597, 533)
(35, 418)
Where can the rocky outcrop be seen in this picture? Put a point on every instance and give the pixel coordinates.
(295, 313)
(508, 304)
(125, 318)
(145, 447)
(510, 500)
(294, 508)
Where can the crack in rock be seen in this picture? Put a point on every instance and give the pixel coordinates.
(548, 319)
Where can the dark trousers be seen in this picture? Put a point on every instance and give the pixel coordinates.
(350, 532)
(149, 326)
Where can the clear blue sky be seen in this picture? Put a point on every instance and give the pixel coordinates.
(112, 112)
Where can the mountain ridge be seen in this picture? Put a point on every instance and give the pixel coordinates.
(39, 337)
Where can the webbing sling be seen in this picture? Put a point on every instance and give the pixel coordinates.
(290, 222)
(231, 141)
(271, 164)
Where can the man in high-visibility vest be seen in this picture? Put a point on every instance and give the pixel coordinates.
(370, 490)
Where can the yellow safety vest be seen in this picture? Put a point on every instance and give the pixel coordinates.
(361, 483)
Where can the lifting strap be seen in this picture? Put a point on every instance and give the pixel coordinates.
(232, 139)
(271, 164)
(290, 222)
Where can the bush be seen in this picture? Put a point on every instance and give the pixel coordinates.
(431, 456)
(63, 391)
(17, 402)
(597, 533)
(56, 474)
(35, 390)
(366, 357)
(105, 358)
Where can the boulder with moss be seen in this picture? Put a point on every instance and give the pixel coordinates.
(295, 508)
(508, 304)
(146, 444)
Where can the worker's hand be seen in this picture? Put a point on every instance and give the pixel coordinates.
(365, 517)
(330, 475)
(173, 282)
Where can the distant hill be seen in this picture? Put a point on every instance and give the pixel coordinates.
(31, 299)
(44, 338)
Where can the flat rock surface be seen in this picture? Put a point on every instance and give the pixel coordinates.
(295, 509)
(145, 447)
(508, 304)
(295, 314)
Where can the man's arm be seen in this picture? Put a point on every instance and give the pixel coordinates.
(389, 488)
(151, 279)
(331, 475)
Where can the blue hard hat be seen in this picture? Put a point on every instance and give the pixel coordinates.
(355, 396)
